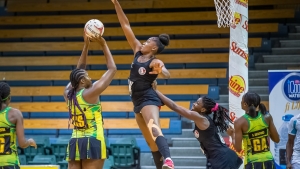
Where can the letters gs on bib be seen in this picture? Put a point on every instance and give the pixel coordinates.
(291, 87)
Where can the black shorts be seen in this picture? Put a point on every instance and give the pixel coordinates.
(144, 98)
(10, 167)
(86, 148)
(226, 159)
(261, 165)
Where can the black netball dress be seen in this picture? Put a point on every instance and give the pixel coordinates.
(140, 84)
(218, 154)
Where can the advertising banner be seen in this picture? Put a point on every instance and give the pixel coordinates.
(284, 103)
(238, 60)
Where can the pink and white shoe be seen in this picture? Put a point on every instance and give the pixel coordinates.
(168, 164)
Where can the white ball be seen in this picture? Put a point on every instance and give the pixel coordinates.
(94, 28)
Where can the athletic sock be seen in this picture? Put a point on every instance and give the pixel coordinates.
(163, 146)
(158, 159)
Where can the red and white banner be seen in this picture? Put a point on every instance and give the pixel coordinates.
(238, 59)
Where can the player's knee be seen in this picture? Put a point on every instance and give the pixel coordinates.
(156, 131)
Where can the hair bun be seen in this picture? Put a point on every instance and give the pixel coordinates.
(164, 39)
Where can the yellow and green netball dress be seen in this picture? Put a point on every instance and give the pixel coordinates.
(257, 148)
(87, 140)
(8, 147)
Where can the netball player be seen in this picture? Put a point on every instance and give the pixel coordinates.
(144, 70)
(11, 128)
(254, 128)
(86, 148)
(293, 144)
(207, 129)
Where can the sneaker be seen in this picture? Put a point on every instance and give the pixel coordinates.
(168, 164)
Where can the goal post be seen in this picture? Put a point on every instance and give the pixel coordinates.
(234, 14)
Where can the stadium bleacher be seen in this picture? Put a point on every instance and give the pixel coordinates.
(41, 41)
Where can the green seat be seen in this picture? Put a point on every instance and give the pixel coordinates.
(22, 159)
(59, 148)
(108, 163)
(43, 160)
(125, 154)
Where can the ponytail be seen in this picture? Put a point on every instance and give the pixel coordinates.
(262, 108)
(221, 118)
(252, 111)
(75, 77)
(253, 99)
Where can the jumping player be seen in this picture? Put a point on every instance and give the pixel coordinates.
(11, 128)
(144, 70)
(254, 129)
(86, 148)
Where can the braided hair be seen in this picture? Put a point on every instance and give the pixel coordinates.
(4, 93)
(220, 116)
(75, 77)
(253, 101)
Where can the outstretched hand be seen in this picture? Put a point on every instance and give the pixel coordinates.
(98, 39)
(32, 143)
(157, 68)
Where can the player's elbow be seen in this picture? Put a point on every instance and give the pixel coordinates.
(112, 73)
(276, 139)
(166, 75)
(113, 69)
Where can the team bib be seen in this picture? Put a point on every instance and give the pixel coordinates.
(5, 141)
(259, 141)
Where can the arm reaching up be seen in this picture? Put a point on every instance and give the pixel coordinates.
(82, 60)
(133, 42)
(100, 85)
(81, 64)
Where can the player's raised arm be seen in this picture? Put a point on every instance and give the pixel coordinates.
(133, 42)
(81, 64)
(82, 60)
(100, 85)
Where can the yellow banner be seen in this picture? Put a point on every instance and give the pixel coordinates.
(39, 166)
